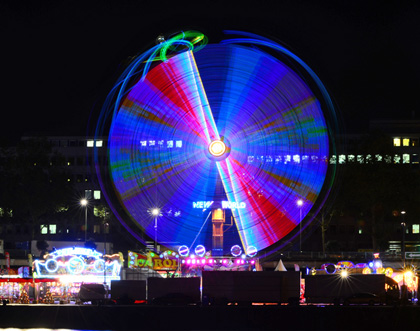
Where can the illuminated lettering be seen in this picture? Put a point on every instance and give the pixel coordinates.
(225, 204)
(157, 263)
(202, 204)
(167, 263)
(233, 205)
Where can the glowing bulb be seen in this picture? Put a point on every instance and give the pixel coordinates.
(217, 148)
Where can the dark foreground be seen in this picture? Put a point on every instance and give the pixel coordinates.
(309, 318)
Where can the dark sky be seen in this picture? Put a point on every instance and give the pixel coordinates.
(59, 58)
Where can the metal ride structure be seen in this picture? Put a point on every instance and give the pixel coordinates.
(214, 144)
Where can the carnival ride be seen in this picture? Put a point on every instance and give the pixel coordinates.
(217, 145)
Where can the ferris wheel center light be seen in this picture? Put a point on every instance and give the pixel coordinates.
(217, 148)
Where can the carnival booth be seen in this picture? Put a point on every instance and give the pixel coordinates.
(400, 278)
(185, 263)
(68, 268)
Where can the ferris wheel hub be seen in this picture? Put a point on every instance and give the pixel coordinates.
(217, 148)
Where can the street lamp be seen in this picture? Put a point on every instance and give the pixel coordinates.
(105, 231)
(84, 203)
(155, 213)
(403, 225)
(300, 204)
(403, 287)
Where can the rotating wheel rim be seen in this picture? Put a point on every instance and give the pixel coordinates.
(275, 140)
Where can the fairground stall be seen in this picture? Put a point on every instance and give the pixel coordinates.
(190, 264)
(18, 286)
(404, 277)
(68, 268)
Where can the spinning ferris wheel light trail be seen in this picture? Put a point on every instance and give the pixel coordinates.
(229, 126)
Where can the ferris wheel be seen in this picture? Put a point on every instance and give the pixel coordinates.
(222, 145)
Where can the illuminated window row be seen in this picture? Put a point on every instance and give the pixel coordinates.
(396, 158)
(405, 142)
(48, 228)
(335, 159)
(161, 143)
(277, 159)
(96, 143)
(79, 178)
(93, 194)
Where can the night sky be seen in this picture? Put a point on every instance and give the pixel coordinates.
(60, 58)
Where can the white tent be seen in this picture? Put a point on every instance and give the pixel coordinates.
(280, 266)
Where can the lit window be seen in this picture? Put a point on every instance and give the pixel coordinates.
(44, 229)
(53, 228)
(378, 158)
(388, 158)
(414, 142)
(99, 143)
(397, 158)
(416, 228)
(360, 231)
(96, 194)
(89, 143)
(415, 159)
(333, 159)
(406, 158)
(360, 159)
(397, 142)
(88, 194)
(341, 159)
(406, 142)
(351, 158)
(368, 158)
(296, 158)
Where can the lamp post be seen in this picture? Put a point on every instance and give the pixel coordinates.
(84, 203)
(403, 287)
(300, 204)
(155, 213)
(105, 230)
(403, 225)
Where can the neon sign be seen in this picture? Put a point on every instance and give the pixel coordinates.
(225, 204)
(78, 261)
(151, 261)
